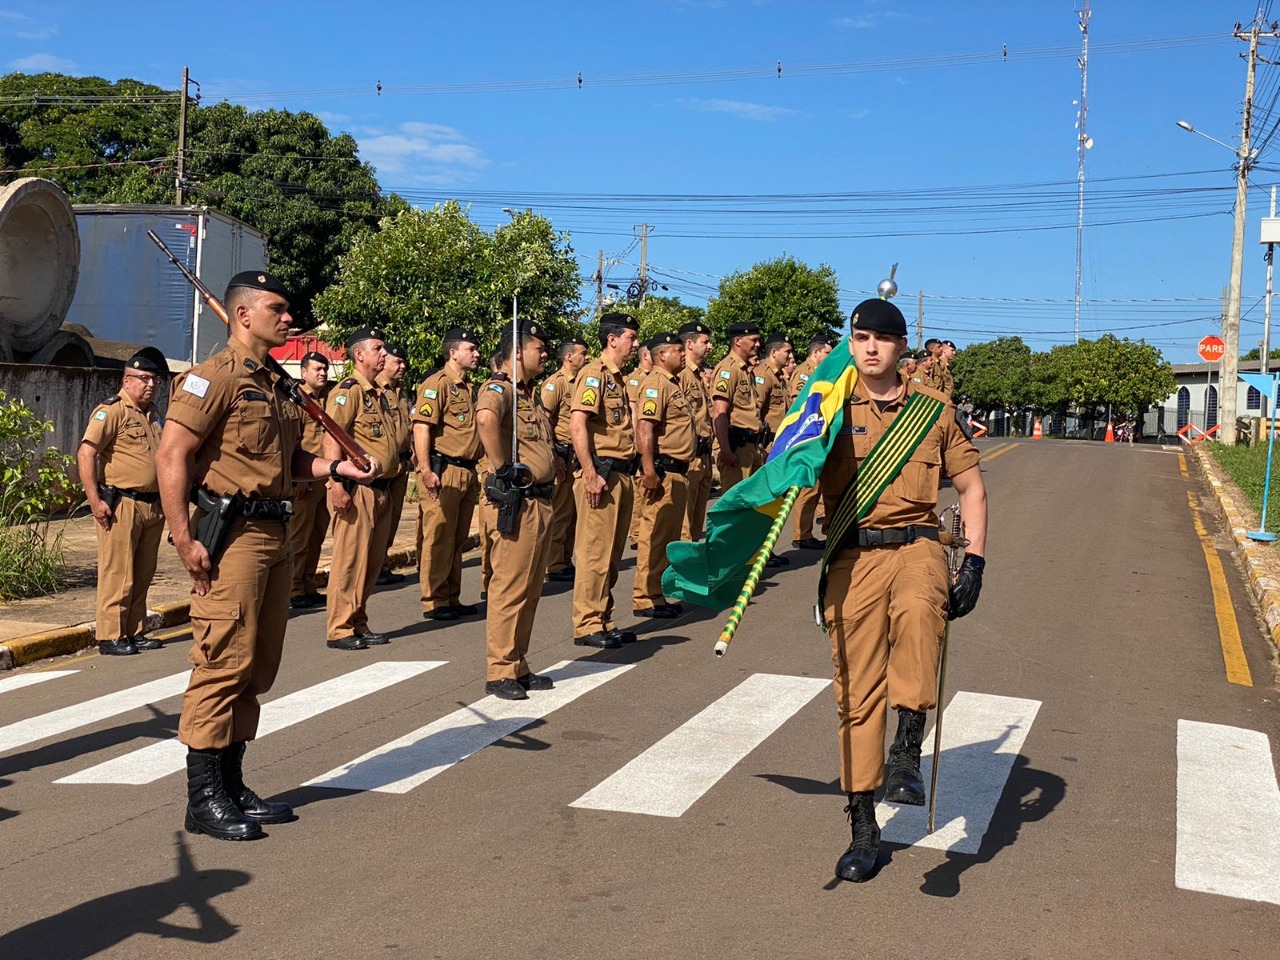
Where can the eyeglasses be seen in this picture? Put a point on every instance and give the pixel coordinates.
(144, 377)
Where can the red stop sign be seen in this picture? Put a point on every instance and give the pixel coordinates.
(1211, 349)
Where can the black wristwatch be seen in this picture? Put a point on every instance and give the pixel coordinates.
(333, 469)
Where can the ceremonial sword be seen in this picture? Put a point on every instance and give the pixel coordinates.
(955, 550)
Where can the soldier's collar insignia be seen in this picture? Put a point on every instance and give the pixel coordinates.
(253, 366)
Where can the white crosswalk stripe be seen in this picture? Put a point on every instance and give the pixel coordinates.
(982, 735)
(669, 777)
(150, 763)
(91, 711)
(31, 679)
(411, 760)
(1228, 813)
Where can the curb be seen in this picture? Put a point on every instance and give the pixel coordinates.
(1260, 561)
(65, 641)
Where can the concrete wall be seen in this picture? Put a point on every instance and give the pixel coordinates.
(66, 395)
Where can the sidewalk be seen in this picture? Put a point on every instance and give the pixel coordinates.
(63, 623)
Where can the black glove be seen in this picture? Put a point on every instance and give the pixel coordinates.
(505, 472)
(964, 592)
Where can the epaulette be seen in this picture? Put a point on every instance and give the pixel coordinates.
(348, 383)
(110, 400)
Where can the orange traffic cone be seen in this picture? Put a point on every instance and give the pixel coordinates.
(1037, 433)
(1111, 433)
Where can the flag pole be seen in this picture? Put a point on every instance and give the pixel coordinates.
(753, 574)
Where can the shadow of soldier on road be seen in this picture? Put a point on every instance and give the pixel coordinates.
(89, 928)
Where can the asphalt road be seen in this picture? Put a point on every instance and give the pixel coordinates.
(1099, 775)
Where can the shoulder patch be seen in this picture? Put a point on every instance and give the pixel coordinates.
(650, 408)
(100, 415)
(426, 410)
(348, 383)
(496, 387)
(340, 399)
(651, 392)
(195, 385)
(726, 375)
(549, 386)
(634, 382)
(804, 378)
(722, 387)
(430, 394)
(589, 396)
(593, 381)
(759, 379)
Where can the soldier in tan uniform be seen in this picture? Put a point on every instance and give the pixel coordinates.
(668, 442)
(806, 505)
(310, 523)
(231, 435)
(935, 372)
(735, 407)
(361, 514)
(696, 338)
(391, 379)
(644, 364)
(948, 378)
(888, 593)
(604, 442)
(447, 447)
(117, 464)
(557, 399)
(771, 384)
(517, 494)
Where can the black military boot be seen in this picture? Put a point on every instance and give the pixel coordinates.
(904, 783)
(250, 804)
(209, 809)
(859, 861)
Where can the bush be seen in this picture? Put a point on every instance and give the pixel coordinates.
(1247, 467)
(35, 482)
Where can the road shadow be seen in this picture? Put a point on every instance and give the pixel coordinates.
(161, 726)
(96, 925)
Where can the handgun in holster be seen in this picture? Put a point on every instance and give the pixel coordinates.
(566, 453)
(501, 489)
(604, 467)
(109, 495)
(217, 514)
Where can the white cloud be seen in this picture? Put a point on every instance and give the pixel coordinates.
(421, 153)
(855, 23)
(44, 63)
(333, 120)
(742, 109)
(13, 15)
(860, 114)
(44, 33)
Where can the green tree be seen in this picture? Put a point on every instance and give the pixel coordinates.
(1126, 375)
(424, 271)
(995, 375)
(778, 295)
(1256, 354)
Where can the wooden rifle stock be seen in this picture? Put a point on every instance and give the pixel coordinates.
(289, 386)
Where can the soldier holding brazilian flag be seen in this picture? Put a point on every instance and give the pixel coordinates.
(877, 446)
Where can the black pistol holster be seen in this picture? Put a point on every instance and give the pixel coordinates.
(566, 453)
(109, 495)
(217, 514)
(501, 489)
(739, 437)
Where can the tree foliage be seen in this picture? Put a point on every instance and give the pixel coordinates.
(995, 375)
(778, 295)
(424, 271)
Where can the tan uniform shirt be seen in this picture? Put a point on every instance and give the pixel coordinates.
(599, 392)
(397, 396)
(634, 379)
(938, 377)
(912, 495)
(732, 381)
(534, 428)
(557, 399)
(126, 438)
(800, 379)
(695, 392)
(445, 404)
(771, 387)
(249, 432)
(365, 411)
(662, 401)
(312, 432)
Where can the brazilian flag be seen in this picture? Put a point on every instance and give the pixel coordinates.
(712, 571)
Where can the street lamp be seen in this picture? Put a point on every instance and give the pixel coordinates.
(1231, 322)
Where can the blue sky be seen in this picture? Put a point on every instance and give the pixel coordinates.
(931, 138)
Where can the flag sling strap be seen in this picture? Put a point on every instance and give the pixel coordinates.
(875, 473)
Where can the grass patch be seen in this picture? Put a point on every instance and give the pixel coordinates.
(31, 564)
(1247, 468)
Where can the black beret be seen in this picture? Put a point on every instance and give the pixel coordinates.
(531, 328)
(777, 339)
(258, 280)
(663, 339)
(948, 343)
(742, 329)
(314, 357)
(397, 351)
(823, 340)
(931, 341)
(143, 364)
(363, 334)
(572, 342)
(461, 335)
(624, 320)
(879, 316)
(693, 328)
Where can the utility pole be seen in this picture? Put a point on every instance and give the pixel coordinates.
(920, 322)
(179, 194)
(1083, 143)
(644, 261)
(600, 285)
(1265, 353)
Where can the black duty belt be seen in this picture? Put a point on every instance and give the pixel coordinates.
(671, 465)
(138, 495)
(617, 465)
(438, 460)
(703, 448)
(406, 456)
(539, 491)
(741, 436)
(895, 536)
(382, 483)
(260, 508)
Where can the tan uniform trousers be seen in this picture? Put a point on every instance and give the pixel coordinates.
(601, 535)
(307, 530)
(482, 515)
(442, 533)
(359, 545)
(884, 606)
(515, 588)
(399, 487)
(564, 518)
(126, 565)
(237, 630)
(695, 519)
(660, 523)
(749, 458)
(803, 512)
